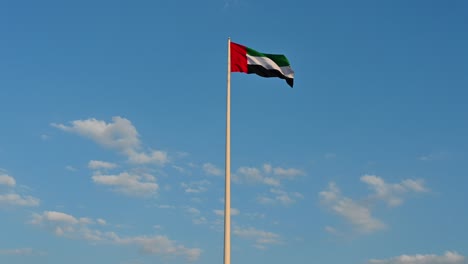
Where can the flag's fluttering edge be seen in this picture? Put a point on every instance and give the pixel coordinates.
(247, 60)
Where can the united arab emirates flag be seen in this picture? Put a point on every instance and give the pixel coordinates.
(247, 60)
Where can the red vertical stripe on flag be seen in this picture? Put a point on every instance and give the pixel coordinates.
(238, 58)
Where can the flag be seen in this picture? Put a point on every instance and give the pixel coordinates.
(247, 60)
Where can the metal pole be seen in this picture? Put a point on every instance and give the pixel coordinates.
(227, 197)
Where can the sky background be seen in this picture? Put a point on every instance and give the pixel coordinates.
(113, 132)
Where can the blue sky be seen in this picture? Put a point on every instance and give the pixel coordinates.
(113, 126)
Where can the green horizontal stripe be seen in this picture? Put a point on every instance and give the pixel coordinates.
(279, 59)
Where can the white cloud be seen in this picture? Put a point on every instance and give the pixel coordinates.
(267, 168)
(196, 216)
(160, 245)
(59, 217)
(434, 156)
(331, 230)
(180, 169)
(267, 175)
(101, 221)
(7, 180)
(193, 210)
(280, 196)
(97, 164)
(211, 169)
(70, 168)
(414, 185)
(200, 220)
(254, 175)
(66, 225)
(69, 226)
(449, 257)
(289, 173)
(251, 174)
(392, 194)
(155, 156)
(9, 197)
(129, 184)
(358, 215)
(120, 134)
(195, 187)
(261, 238)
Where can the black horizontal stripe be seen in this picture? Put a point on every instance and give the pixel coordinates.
(260, 70)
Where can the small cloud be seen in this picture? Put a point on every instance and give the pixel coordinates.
(195, 187)
(211, 169)
(267, 168)
(197, 218)
(130, 184)
(356, 214)
(393, 193)
(69, 226)
(120, 134)
(433, 156)
(159, 245)
(254, 175)
(193, 210)
(155, 157)
(179, 169)
(7, 180)
(45, 137)
(9, 196)
(97, 164)
(450, 257)
(54, 216)
(200, 220)
(279, 196)
(267, 175)
(289, 173)
(70, 168)
(261, 238)
(330, 230)
(101, 221)
(330, 156)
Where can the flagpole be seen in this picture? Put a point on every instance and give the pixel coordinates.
(227, 195)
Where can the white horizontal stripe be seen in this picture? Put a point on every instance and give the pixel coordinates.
(270, 65)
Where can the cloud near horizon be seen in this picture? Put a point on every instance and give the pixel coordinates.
(450, 257)
(84, 228)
